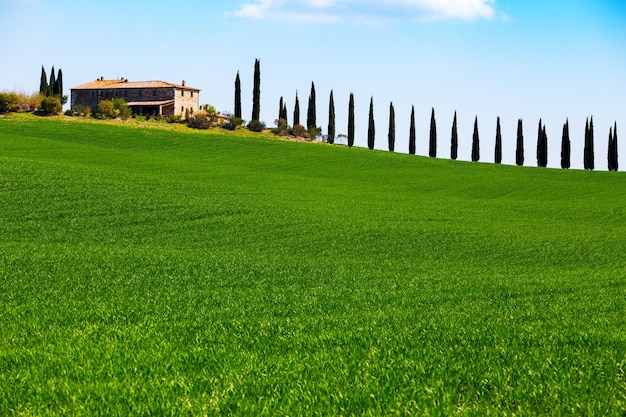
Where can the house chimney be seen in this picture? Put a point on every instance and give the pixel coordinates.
(183, 83)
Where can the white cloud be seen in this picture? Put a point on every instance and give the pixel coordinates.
(367, 10)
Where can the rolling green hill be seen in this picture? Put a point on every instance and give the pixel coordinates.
(159, 271)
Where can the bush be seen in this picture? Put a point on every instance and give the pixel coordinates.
(177, 118)
(121, 108)
(298, 131)
(199, 121)
(105, 109)
(69, 112)
(51, 105)
(281, 127)
(233, 122)
(78, 110)
(256, 126)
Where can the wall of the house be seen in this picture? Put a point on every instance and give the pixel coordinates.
(186, 99)
(183, 99)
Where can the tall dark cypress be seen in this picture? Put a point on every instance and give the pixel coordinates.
(59, 85)
(432, 145)
(52, 85)
(296, 111)
(43, 82)
(391, 136)
(566, 146)
(454, 140)
(615, 153)
(475, 142)
(497, 158)
(519, 149)
(542, 146)
(284, 113)
(351, 121)
(331, 118)
(281, 106)
(592, 158)
(311, 119)
(613, 156)
(371, 128)
(238, 96)
(589, 157)
(610, 150)
(412, 132)
(256, 91)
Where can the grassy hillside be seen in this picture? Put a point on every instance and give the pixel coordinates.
(155, 271)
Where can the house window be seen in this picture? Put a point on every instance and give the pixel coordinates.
(192, 94)
(153, 93)
(182, 109)
(140, 93)
(182, 94)
(93, 94)
(126, 93)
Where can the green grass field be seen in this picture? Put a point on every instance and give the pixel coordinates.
(172, 272)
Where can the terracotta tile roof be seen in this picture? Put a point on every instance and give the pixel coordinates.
(125, 84)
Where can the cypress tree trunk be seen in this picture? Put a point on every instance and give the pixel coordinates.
(475, 142)
(311, 120)
(43, 82)
(238, 96)
(565, 147)
(519, 150)
(331, 119)
(52, 84)
(412, 132)
(296, 111)
(432, 145)
(498, 150)
(391, 137)
(454, 140)
(371, 128)
(351, 121)
(256, 92)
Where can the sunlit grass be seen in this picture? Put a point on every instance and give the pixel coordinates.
(156, 271)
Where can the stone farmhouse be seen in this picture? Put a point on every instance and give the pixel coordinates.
(147, 98)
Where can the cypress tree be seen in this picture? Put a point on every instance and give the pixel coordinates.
(412, 132)
(589, 156)
(542, 146)
(519, 150)
(311, 120)
(351, 121)
(592, 163)
(281, 105)
(391, 136)
(256, 91)
(498, 150)
(371, 128)
(610, 150)
(615, 154)
(59, 87)
(432, 146)
(52, 85)
(331, 119)
(475, 142)
(565, 146)
(454, 141)
(238, 96)
(296, 111)
(43, 82)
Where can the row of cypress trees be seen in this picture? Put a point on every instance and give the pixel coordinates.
(542, 139)
(54, 87)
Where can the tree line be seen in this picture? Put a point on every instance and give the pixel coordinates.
(312, 131)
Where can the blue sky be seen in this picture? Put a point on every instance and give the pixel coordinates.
(487, 58)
